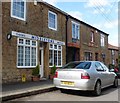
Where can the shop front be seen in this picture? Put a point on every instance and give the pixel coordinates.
(34, 50)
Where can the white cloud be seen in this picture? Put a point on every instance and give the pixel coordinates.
(97, 3)
(111, 24)
(52, 2)
(107, 25)
(76, 14)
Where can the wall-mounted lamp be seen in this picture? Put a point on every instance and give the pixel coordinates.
(9, 36)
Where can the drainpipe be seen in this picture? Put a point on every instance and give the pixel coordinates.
(67, 17)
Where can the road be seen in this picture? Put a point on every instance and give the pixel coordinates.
(108, 94)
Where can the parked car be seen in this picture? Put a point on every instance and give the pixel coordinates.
(85, 75)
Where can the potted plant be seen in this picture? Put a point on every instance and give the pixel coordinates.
(52, 72)
(35, 74)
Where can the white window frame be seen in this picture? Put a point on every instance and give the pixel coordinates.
(25, 45)
(113, 52)
(14, 16)
(102, 40)
(55, 21)
(76, 35)
(53, 49)
(92, 36)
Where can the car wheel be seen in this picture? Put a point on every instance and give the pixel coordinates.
(97, 89)
(115, 84)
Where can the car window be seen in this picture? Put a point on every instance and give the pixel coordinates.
(78, 65)
(105, 67)
(84, 65)
(71, 65)
(99, 67)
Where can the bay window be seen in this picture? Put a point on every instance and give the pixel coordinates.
(27, 53)
(55, 55)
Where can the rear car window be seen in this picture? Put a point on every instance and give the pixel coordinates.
(78, 65)
(71, 65)
(84, 65)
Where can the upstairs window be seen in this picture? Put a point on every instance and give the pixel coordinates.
(75, 30)
(113, 52)
(92, 36)
(102, 40)
(18, 9)
(52, 20)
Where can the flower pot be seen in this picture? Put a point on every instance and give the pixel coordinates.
(51, 77)
(35, 78)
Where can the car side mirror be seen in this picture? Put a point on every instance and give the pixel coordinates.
(111, 70)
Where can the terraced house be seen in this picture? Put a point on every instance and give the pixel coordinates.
(85, 42)
(113, 54)
(37, 33)
(32, 33)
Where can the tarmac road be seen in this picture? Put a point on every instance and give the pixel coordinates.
(108, 94)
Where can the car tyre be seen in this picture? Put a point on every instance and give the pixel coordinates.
(97, 89)
(115, 84)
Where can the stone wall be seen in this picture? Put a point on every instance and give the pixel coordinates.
(36, 23)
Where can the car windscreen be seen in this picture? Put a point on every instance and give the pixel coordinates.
(78, 65)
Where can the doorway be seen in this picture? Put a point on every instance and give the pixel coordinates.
(41, 59)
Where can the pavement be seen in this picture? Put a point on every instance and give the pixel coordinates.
(22, 89)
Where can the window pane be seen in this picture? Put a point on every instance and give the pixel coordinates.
(20, 55)
(55, 46)
(27, 42)
(33, 43)
(50, 57)
(55, 57)
(20, 41)
(73, 30)
(59, 47)
(59, 58)
(27, 56)
(33, 57)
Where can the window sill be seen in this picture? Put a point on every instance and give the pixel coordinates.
(25, 67)
(55, 29)
(15, 17)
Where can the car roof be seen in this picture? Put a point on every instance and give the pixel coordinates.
(84, 61)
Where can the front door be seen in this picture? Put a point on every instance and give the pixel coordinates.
(41, 62)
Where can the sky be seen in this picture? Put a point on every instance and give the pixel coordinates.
(102, 14)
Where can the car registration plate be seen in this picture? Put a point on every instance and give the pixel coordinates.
(67, 83)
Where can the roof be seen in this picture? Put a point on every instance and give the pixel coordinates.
(112, 47)
(66, 14)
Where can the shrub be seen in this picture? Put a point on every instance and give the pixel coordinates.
(53, 69)
(35, 71)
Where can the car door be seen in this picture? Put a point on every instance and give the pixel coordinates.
(100, 73)
(109, 75)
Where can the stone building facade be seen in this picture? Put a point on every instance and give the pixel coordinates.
(32, 34)
(37, 33)
(86, 42)
(113, 54)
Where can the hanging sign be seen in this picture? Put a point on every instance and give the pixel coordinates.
(33, 37)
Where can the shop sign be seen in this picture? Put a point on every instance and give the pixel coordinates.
(33, 37)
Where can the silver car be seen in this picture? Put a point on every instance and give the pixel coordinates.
(85, 75)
